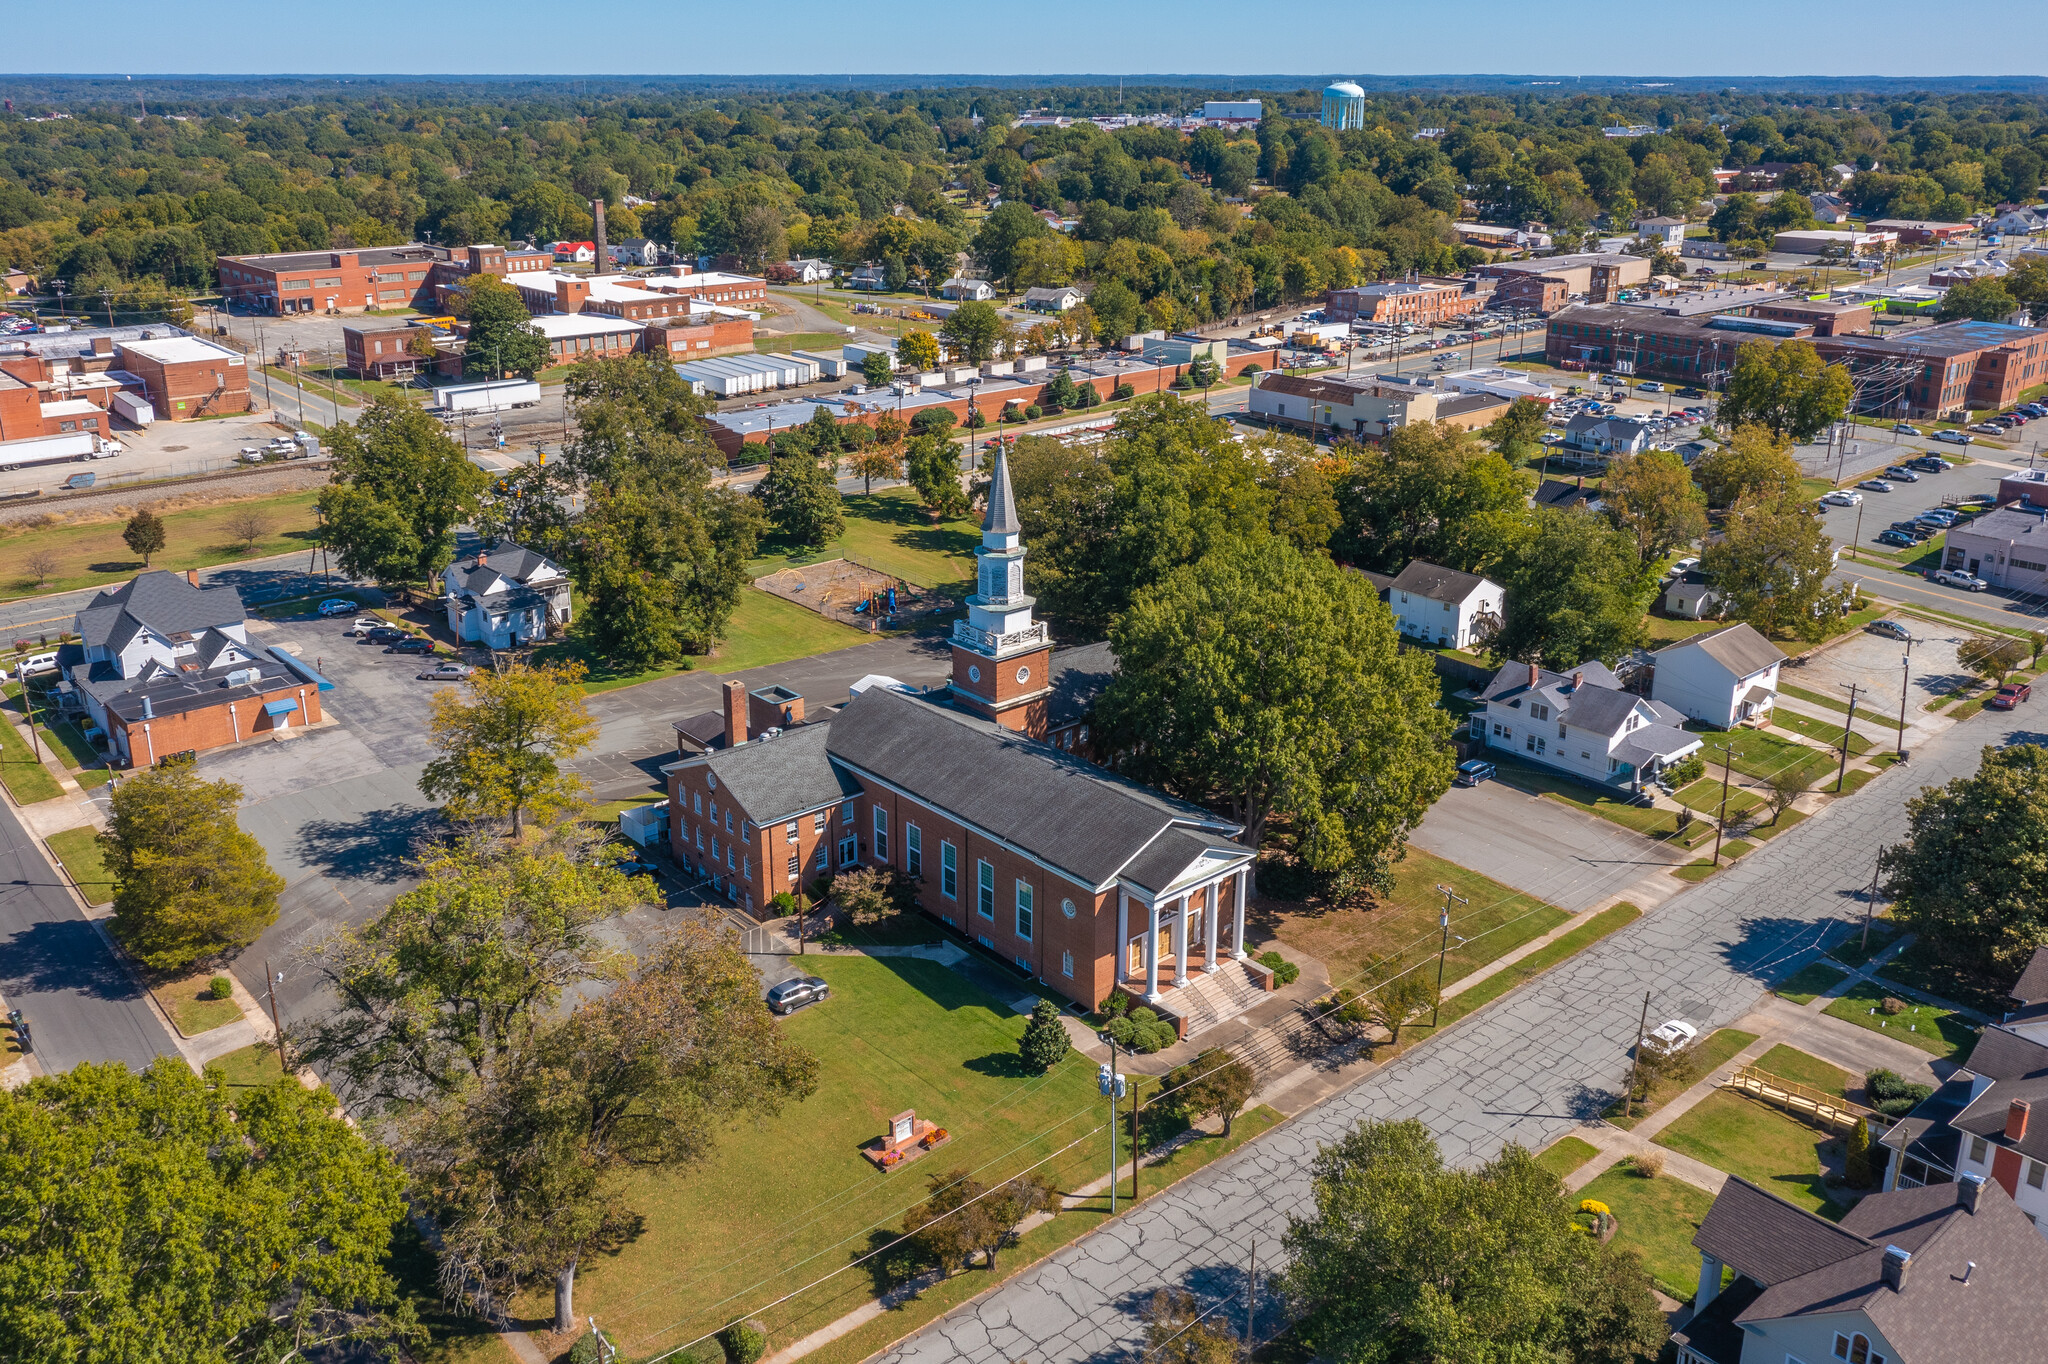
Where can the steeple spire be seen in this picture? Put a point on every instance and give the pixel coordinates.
(1002, 506)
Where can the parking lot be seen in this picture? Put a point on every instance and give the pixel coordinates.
(1862, 525)
(1872, 663)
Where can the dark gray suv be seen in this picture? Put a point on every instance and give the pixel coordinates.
(792, 995)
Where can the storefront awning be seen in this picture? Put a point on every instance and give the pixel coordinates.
(279, 707)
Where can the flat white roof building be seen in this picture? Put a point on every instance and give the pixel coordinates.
(180, 350)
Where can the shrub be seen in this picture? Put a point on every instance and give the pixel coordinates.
(782, 906)
(1650, 1164)
(1124, 391)
(744, 1341)
(586, 1351)
(1045, 1039)
(870, 895)
(1285, 972)
(1892, 1094)
(1594, 1206)
(1183, 383)
(1033, 412)
(1893, 1005)
(1142, 1030)
(220, 987)
(1688, 771)
(1856, 1160)
(1249, 370)
(976, 419)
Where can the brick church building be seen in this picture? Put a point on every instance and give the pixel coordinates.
(976, 791)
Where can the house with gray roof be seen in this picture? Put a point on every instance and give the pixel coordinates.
(1948, 1273)
(1980, 1122)
(1445, 607)
(1006, 833)
(1725, 677)
(1582, 723)
(1589, 433)
(164, 666)
(505, 595)
(1054, 298)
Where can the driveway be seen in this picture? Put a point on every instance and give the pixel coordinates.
(1871, 663)
(1548, 850)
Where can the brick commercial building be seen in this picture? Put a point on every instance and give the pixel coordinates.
(1691, 350)
(674, 292)
(1920, 231)
(350, 281)
(1547, 284)
(1960, 366)
(1086, 882)
(187, 377)
(48, 397)
(164, 666)
(386, 352)
(1364, 409)
(1418, 302)
(1826, 316)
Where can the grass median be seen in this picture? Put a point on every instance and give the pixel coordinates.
(1558, 949)
(1656, 1218)
(1713, 1053)
(27, 780)
(79, 851)
(1929, 1027)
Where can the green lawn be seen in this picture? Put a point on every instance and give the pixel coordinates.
(92, 555)
(1819, 730)
(248, 1068)
(1404, 924)
(1536, 963)
(764, 629)
(1732, 1132)
(1657, 1219)
(1643, 819)
(194, 1010)
(1565, 1155)
(788, 341)
(887, 530)
(782, 1202)
(79, 851)
(1789, 1063)
(1853, 951)
(1704, 795)
(1918, 967)
(1838, 705)
(1926, 1026)
(26, 779)
(1661, 630)
(1714, 1052)
(1761, 754)
(1810, 982)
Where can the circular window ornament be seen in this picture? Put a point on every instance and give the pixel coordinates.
(1024, 673)
(1067, 908)
(711, 780)
(974, 672)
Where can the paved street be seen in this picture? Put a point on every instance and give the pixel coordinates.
(55, 968)
(1528, 1070)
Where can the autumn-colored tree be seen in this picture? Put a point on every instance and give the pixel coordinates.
(502, 738)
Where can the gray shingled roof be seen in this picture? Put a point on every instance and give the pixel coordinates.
(2032, 986)
(2018, 1069)
(503, 565)
(1065, 811)
(1436, 582)
(1738, 648)
(775, 779)
(1170, 854)
(1769, 1239)
(163, 601)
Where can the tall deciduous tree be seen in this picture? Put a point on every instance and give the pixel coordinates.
(401, 486)
(188, 882)
(801, 497)
(974, 332)
(144, 534)
(933, 466)
(503, 737)
(1576, 590)
(1771, 564)
(1272, 684)
(1970, 878)
(1215, 1084)
(1405, 1259)
(529, 1169)
(1517, 433)
(164, 1216)
(1753, 463)
(918, 350)
(1651, 497)
(1430, 492)
(502, 340)
(876, 367)
(964, 1217)
(1981, 300)
(1787, 388)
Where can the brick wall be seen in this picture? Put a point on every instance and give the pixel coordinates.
(186, 389)
(215, 726)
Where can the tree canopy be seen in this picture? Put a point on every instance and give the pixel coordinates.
(1772, 563)
(401, 486)
(1576, 589)
(188, 882)
(1787, 388)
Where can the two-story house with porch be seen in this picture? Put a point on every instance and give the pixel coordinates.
(1087, 882)
(505, 595)
(1582, 723)
(1946, 1274)
(1725, 677)
(1442, 606)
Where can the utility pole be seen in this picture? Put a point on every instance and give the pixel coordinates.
(1443, 921)
(1905, 686)
(1721, 820)
(1870, 906)
(271, 978)
(1844, 771)
(1628, 1100)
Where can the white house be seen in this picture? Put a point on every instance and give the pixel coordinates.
(808, 270)
(872, 278)
(1724, 677)
(2019, 222)
(967, 290)
(635, 251)
(1583, 724)
(1689, 597)
(1606, 435)
(1443, 606)
(1663, 231)
(1829, 208)
(505, 595)
(1053, 300)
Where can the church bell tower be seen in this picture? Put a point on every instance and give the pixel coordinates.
(1001, 656)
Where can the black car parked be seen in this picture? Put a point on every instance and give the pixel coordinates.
(411, 644)
(383, 634)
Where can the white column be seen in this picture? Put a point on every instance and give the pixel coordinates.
(1123, 937)
(1180, 939)
(1237, 939)
(1209, 923)
(1152, 958)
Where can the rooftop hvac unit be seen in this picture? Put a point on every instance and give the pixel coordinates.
(242, 675)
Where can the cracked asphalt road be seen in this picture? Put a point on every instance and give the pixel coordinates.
(1528, 1070)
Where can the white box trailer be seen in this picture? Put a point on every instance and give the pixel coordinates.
(499, 395)
(34, 450)
(136, 409)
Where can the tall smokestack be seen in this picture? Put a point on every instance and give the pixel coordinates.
(604, 255)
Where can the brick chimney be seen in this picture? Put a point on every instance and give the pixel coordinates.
(192, 576)
(2016, 1119)
(1578, 680)
(1535, 680)
(735, 714)
(1896, 1262)
(1971, 1188)
(604, 256)
(102, 345)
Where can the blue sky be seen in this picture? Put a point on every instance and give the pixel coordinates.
(584, 37)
